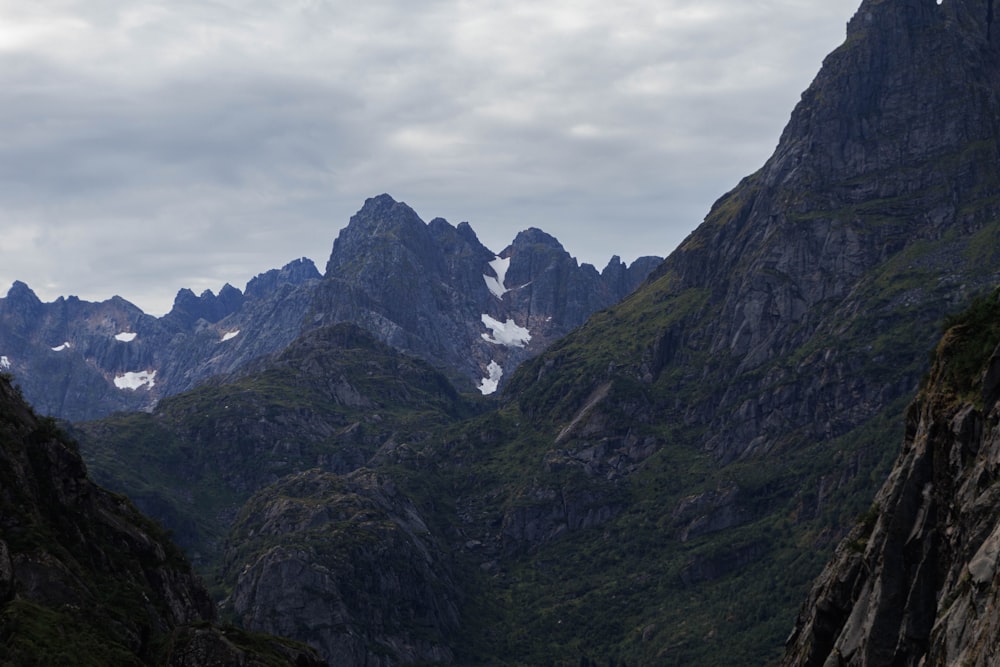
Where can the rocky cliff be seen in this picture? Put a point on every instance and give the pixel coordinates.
(917, 581)
(87, 580)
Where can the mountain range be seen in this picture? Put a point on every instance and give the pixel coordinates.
(430, 289)
(663, 483)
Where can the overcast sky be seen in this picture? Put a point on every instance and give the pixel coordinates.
(150, 146)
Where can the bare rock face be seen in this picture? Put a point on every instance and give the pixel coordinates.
(918, 580)
(346, 564)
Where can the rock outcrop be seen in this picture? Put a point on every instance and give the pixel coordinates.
(917, 582)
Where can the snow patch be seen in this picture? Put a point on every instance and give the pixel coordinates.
(126, 336)
(505, 333)
(64, 346)
(496, 285)
(5, 363)
(230, 335)
(136, 380)
(489, 384)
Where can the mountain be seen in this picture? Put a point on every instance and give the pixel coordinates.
(916, 582)
(87, 580)
(434, 291)
(80, 360)
(244, 471)
(428, 289)
(335, 399)
(661, 485)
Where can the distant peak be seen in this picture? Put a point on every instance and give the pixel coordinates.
(535, 236)
(20, 291)
(297, 272)
(383, 207)
(300, 270)
(381, 219)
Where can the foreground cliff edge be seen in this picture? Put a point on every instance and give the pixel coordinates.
(917, 582)
(85, 579)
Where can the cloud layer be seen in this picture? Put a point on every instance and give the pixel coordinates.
(149, 146)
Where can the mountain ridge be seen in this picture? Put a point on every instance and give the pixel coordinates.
(79, 360)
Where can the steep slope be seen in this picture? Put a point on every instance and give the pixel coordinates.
(85, 579)
(916, 582)
(434, 291)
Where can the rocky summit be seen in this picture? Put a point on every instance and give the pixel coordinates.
(80, 360)
(434, 291)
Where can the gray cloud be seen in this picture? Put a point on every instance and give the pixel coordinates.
(157, 145)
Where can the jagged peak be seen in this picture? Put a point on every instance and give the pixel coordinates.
(904, 91)
(382, 211)
(535, 236)
(973, 18)
(19, 291)
(381, 219)
(296, 272)
(613, 264)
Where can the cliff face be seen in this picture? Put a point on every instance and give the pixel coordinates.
(918, 580)
(877, 207)
(87, 580)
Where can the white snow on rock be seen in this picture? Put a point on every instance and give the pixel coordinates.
(126, 336)
(136, 380)
(230, 335)
(489, 384)
(64, 346)
(496, 285)
(505, 333)
(5, 363)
